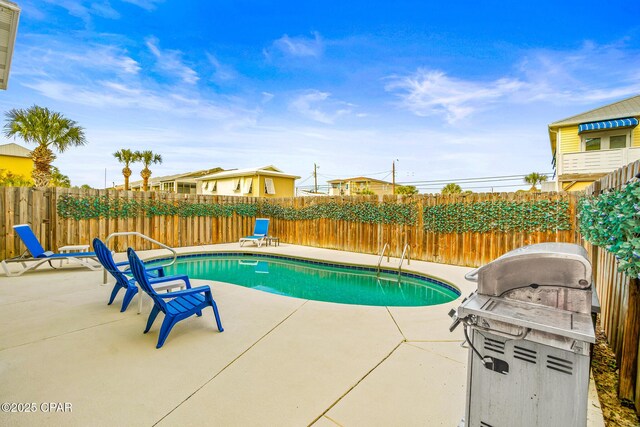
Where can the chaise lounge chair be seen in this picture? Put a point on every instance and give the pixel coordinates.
(260, 230)
(39, 256)
(124, 279)
(176, 306)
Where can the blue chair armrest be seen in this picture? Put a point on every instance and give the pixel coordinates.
(199, 289)
(151, 271)
(164, 279)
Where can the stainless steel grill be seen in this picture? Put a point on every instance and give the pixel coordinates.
(529, 330)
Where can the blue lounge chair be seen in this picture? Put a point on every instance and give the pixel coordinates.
(176, 306)
(260, 230)
(39, 256)
(124, 277)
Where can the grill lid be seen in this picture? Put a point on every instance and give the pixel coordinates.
(545, 264)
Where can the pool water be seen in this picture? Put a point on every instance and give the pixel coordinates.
(315, 280)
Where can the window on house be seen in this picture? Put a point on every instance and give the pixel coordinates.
(617, 141)
(269, 187)
(236, 185)
(211, 186)
(592, 141)
(592, 144)
(248, 186)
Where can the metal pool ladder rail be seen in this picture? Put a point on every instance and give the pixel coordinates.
(135, 233)
(405, 251)
(384, 248)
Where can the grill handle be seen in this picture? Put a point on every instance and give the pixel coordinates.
(524, 332)
(472, 276)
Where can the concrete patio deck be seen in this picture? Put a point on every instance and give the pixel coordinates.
(280, 361)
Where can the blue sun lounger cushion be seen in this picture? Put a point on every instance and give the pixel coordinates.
(40, 256)
(260, 230)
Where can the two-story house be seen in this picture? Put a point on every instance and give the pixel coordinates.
(590, 145)
(266, 181)
(354, 186)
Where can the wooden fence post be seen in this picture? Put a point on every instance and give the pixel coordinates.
(629, 364)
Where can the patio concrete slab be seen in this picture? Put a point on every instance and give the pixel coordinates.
(329, 348)
(280, 360)
(114, 375)
(418, 385)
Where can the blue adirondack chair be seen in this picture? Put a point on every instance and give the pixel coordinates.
(176, 306)
(124, 278)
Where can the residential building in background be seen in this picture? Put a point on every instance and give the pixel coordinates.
(16, 159)
(9, 17)
(183, 183)
(266, 181)
(590, 145)
(355, 186)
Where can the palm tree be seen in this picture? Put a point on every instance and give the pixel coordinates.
(406, 189)
(58, 179)
(147, 158)
(48, 130)
(451, 188)
(534, 178)
(126, 157)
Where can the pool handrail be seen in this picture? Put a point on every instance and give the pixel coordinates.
(145, 237)
(406, 250)
(384, 248)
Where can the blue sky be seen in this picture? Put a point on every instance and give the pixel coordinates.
(450, 91)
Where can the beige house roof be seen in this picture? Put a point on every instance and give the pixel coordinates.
(187, 176)
(15, 150)
(264, 170)
(358, 179)
(626, 108)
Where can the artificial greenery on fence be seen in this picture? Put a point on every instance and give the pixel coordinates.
(367, 212)
(495, 215)
(112, 207)
(498, 215)
(612, 220)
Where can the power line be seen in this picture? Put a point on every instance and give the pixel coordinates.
(470, 180)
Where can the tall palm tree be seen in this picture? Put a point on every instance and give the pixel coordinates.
(126, 157)
(534, 178)
(48, 130)
(451, 188)
(147, 158)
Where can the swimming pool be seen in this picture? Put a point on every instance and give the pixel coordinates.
(316, 280)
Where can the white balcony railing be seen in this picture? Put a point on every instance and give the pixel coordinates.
(601, 161)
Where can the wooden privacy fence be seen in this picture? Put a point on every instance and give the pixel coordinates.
(467, 230)
(619, 297)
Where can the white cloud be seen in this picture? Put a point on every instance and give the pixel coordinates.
(432, 92)
(109, 94)
(171, 62)
(267, 97)
(38, 58)
(308, 105)
(145, 4)
(593, 73)
(84, 9)
(222, 72)
(298, 46)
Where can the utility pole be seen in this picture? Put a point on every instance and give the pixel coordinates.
(393, 179)
(315, 178)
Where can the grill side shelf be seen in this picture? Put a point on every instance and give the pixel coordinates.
(537, 317)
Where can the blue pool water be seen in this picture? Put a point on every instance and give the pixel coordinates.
(316, 280)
